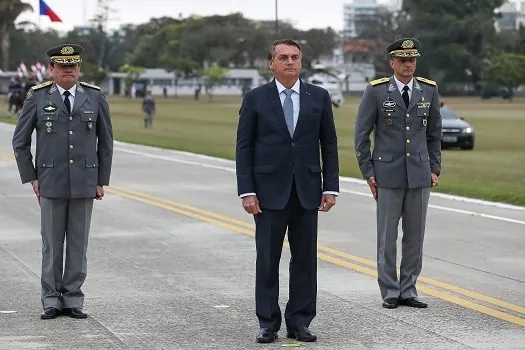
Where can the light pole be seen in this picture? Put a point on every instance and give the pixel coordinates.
(276, 20)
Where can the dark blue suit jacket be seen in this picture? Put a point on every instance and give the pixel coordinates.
(268, 159)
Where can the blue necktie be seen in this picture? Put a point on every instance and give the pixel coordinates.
(288, 110)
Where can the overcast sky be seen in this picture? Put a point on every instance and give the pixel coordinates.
(304, 14)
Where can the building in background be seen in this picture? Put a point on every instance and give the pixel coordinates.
(355, 15)
(512, 16)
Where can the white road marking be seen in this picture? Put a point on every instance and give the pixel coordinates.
(343, 190)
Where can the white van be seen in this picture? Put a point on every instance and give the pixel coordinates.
(328, 79)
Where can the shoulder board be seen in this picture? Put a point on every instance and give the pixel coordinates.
(428, 81)
(40, 86)
(379, 81)
(90, 85)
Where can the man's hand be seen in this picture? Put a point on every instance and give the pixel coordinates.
(251, 205)
(435, 180)
(373, 186)
(100, 193)
(327, 202)
(36, 189)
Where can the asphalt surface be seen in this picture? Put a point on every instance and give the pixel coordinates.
(171, 266)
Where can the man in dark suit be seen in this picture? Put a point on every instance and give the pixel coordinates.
(284, 129)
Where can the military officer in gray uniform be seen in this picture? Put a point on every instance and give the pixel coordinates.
(74, 150)
(403, 111)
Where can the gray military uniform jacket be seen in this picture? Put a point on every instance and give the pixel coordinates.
(73, 152)
(407, 141)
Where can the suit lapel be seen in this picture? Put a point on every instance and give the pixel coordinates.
(304, 99)
(56, 99)
(80, 98)
(417, 92)
(395, 95)
(275, 103)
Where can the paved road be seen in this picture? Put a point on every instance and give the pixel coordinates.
(171, 266)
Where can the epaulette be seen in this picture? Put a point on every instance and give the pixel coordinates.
(379, 81)
(428, 81)
(90, 85)
(40, 86)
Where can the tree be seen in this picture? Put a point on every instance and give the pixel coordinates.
(456, 36)
(316, 42)
(214, 75)
(508, 69)
(9, 12)
(133, 73)
(93, 73)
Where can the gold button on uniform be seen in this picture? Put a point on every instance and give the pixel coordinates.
(408, 115)
(71, 161)
(408, 154)
(70, 118)
(408, 141)
(70, 146)
(70, 132)
(408, 127)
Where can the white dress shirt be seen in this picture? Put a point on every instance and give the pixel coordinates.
(401, 85)
(71, 96)
(296, 88)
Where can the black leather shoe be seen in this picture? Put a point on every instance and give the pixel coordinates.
(75, 312)
(413, 302)
(391, 303)
(266, 336)
(302, 334)
(50, 313)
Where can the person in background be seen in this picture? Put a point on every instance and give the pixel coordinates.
(148, 107)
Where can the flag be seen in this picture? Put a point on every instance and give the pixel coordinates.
(45, 10)
(23, 68)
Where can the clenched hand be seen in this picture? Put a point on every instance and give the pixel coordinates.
(100, 193)
(251, 205)
(435, 180)
(327, 202)
(373, 186)
(36, 189)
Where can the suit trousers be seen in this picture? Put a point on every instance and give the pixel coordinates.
(69, 219)
(270, 229)
(411, 204)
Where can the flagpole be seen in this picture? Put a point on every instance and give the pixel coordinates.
(39, 16)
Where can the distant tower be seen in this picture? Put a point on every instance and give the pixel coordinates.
(355, 12)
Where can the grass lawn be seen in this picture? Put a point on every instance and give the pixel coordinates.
(494, 170)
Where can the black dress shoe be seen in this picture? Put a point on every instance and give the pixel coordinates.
(413, 302)
(391, 303)
(302, 334)
(50, 313)
(266, 336)
(75, 312)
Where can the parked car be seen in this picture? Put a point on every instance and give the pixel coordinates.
(456, 132)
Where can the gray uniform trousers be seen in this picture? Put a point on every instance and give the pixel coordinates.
(411, 204)
(67, 218)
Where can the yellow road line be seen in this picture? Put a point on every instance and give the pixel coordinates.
(247, 229)
(218, 220)
(338, 253)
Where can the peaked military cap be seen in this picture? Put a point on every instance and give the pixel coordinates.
(65, 54)
(405, 47)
